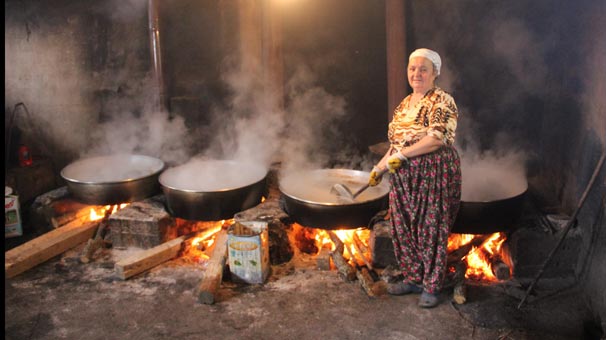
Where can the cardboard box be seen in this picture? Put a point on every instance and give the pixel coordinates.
(12, 216)
(248, 251)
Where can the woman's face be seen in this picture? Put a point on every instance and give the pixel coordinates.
(421, 75)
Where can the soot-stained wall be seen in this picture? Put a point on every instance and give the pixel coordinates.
(71, 63)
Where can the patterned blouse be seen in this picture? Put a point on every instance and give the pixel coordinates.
(435, 115)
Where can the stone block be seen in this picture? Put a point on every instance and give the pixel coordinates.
(143, 224)
(381, 245)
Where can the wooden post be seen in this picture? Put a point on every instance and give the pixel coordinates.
(51, 244)
(213, 275)
(397, 62)
(148, 258)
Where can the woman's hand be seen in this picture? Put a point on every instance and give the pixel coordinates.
(376, 175)
(395, 162)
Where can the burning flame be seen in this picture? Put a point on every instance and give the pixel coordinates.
(97, 213)
(354, 243)
(480, 259)
(200, 246)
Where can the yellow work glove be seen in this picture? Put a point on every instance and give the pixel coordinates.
(376, 175)
(395, 162)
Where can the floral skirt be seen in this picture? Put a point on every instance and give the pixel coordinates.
(423, 201)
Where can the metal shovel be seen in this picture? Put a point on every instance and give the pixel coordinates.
(344, 194)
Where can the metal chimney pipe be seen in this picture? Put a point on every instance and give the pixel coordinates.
(156, 52)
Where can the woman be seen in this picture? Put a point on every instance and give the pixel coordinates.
(425, 179)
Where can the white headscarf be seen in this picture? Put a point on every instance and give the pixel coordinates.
(433, 56)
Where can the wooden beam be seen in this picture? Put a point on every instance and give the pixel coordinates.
(213, 274)
(51, 244)
(148, 258)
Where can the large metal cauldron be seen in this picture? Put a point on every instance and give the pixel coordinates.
(113, 179)
(212, 190)
(307, 199)
(491, 215)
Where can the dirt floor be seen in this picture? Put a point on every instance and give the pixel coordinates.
(65, 299)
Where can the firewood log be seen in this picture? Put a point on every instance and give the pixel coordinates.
(94, 244)
(459, 253)
(345, 270)
(323, 259)
(500, 270)
(358, 247)
(213, 275)
(459, 294)
(60, 220)
(367, 282)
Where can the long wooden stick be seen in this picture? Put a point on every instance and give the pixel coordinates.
(566, 229)
(213, 274)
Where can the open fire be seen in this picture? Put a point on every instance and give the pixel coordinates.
(355, 242)
(486, 258)
(198, 248)
(98, 213)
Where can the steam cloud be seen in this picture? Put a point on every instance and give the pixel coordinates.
(136, 126)
(255, 129)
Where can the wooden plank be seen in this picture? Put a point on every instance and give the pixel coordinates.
(148, 258)
(49, 245)
(213, 274)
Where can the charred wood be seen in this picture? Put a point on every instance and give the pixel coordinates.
(371, 288)
(358, 245)
(94, 244)
(456, 274)
(323, 259)
(60, 220)
(500, 270)
(459, 253)
(459, 295)
(346, 271)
